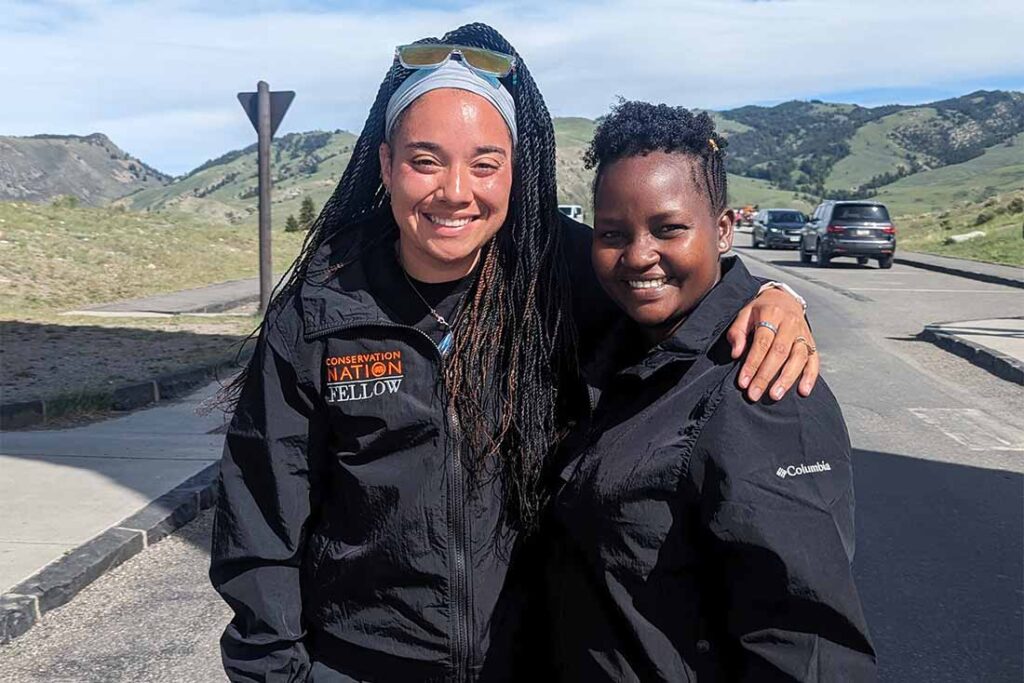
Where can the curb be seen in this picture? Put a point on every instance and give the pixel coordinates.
(962, 272)
(57, 583)
(997, 363)
(126, 397)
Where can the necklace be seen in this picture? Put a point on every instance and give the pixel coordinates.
(437, 316)
(445, 345)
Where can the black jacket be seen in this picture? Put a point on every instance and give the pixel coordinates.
(698, 536)
(347, 539)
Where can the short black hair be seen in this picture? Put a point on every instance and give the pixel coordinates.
(639, 128)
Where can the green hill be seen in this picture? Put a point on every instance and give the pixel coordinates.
(874, 151)
(225, 189)
(1000, 168)
(792, 154)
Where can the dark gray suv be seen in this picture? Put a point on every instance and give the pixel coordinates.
(859, 229)
(778, 228)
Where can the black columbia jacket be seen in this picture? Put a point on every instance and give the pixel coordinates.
(347, 539)
(698, 536)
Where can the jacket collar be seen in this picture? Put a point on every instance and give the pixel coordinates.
(346, 271)
(692, 339)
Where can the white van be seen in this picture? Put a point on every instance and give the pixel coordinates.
(573, 211)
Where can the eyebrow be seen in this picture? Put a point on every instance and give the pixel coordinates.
(434, 147)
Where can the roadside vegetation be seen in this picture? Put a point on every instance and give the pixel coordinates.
(54, 259)
(1001, 218)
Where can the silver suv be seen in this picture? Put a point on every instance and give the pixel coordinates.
(859, 229)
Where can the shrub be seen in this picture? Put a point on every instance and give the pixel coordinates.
(1016, 205)
(291, 225)
(982, 218)
(64, 201)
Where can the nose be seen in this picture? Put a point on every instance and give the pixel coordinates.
(640, 254)
(455, 186)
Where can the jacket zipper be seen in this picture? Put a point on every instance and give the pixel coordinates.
(456, 512)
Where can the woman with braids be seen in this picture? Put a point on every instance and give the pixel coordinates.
(696, 535)
(407, 383)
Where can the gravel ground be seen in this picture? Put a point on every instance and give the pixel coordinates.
(154, 619)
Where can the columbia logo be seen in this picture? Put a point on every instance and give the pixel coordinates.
(796, 470)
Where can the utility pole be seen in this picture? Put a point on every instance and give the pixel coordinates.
(265, 110)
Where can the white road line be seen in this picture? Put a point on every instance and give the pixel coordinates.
(972, 428)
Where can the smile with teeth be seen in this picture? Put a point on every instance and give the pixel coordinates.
(647, 284)
(448, 222)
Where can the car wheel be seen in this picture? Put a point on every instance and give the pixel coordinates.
(804, 256)
(885, 262)
(822, 258)
(754, 241)
(862, 260)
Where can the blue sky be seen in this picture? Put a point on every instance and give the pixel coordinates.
(160, 77)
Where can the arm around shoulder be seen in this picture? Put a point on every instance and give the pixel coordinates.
(777, 511)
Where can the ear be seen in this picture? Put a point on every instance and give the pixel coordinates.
(725, 226)
(384, 152)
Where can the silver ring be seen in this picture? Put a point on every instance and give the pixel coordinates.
(765, 323)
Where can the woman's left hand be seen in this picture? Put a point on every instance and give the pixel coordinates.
(771, 352)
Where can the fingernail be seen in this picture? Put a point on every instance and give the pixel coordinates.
(777, 393)
(755, 394)
(744, 380)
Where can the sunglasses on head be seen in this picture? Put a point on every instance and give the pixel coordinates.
(432, 56)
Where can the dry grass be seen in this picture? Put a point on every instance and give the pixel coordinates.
(57, 259)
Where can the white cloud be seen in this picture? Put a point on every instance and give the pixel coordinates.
(160, 78)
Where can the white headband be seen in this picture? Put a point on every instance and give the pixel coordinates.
(451, 74)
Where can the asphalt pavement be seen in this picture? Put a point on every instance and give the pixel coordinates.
(939, 457)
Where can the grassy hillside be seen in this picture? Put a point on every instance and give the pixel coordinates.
(1001, 218)
(751, 191)
(56, 259)
(874, 152)
(572, 136)
(91, 168)
(225, 189)
(999, 169)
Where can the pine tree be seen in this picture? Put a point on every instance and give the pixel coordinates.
(307, 213)
(291, 225)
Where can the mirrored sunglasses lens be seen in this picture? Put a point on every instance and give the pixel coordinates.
(485, 60)
(423, 55)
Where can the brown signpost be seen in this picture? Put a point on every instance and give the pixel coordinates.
(265, 110)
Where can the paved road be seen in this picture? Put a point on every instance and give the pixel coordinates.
(939, 463)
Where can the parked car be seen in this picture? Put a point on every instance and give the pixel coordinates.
(778, 228)
(573, 211)
(859, 229)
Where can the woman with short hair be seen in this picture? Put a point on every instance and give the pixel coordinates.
(696, 535)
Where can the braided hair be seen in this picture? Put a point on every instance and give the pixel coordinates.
(638, 128)
(514, 340)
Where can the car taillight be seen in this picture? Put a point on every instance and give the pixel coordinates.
(889, 230)
(835, 229)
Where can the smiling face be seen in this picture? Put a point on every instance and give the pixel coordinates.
(449, 171)
(657, 241)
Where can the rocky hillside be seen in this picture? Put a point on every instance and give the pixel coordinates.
(91, 168)
(844, 150)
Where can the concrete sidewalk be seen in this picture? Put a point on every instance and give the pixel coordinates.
(214, 298)
(995, 344)
(76, 502)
